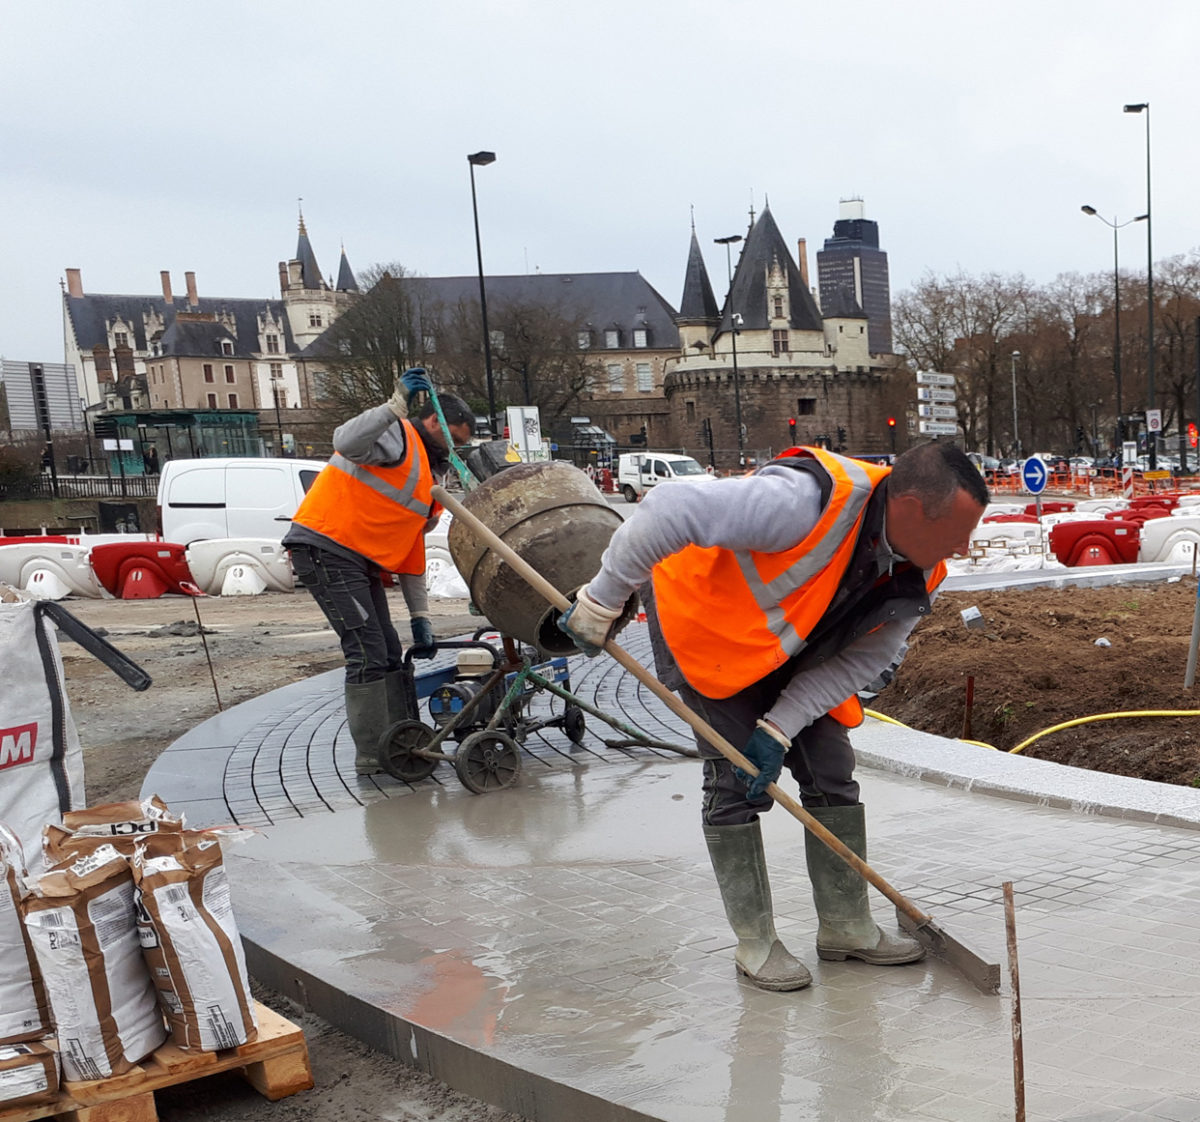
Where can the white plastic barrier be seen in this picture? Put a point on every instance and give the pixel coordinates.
(50, 570)
(1003, 508)
(1171, 540)
(240, 566)
(1100, 507)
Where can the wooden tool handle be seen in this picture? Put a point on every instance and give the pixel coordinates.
(557, 599)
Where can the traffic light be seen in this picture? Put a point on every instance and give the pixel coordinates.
(891, 422)
(1192, 436)
(792, 429)
(841, 436)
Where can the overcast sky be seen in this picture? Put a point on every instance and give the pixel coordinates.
(136, 137)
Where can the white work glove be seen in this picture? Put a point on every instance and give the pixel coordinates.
(398, 402)
(588, 623)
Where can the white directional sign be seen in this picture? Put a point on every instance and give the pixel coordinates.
(925, 394)
(929, 378)
(938, 412)
(937, 428)
(1154, 420)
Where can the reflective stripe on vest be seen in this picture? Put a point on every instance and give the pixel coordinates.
(378, 512)
(769, 595)
(731, 617)
(402, 496)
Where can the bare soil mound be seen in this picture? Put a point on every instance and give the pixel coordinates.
(1036, 663)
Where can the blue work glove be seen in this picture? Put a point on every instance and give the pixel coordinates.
(588, 623)
(424, 644)
(765, 750)
(416, 381)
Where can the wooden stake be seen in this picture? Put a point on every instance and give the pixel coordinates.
(1010, 927)
(966, 731)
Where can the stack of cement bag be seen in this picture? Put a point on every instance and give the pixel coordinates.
(129, 934)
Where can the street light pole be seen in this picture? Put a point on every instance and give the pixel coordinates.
(482, 159)
(1151, 437)
(1016, 427)
(1114, 225)
(734, 321)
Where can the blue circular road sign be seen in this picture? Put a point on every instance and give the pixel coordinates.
(1034, 475)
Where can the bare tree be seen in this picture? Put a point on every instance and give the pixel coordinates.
(375, 339)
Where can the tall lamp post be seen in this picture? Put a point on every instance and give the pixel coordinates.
(1114, 225)
(1151, 438)
(734, 321)
(1016, 427)
(482, 159)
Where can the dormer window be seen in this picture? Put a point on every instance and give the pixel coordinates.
(272, 344)
(120, 339)
(779, 307)
(226, 347)
(612, 338)
(640, 337)
(584, 340)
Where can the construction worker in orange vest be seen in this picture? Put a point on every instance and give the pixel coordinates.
(365, 516)
(772, 599)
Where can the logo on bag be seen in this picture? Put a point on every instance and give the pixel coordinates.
(17, 745)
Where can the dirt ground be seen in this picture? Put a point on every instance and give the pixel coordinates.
(1041, 660)
(257, 643)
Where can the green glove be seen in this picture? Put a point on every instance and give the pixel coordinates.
(765, 750)
(424, 644)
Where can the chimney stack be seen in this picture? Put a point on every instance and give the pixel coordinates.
(193, 299)
(802, 259)
(74, 283)
(166, 285)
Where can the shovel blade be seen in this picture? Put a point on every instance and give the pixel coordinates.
(983, 975)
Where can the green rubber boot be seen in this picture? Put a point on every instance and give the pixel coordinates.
(737, 859)
(846, 929)
(367, 716)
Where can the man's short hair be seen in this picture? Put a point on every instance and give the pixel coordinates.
(934, 472)
(454, 409)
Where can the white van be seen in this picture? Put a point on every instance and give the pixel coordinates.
(236, 497)
(637, 472)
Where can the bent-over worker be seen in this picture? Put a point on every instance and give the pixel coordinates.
(366, 515)
(772, 600)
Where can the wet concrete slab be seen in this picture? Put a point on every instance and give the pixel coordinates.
(559, 948)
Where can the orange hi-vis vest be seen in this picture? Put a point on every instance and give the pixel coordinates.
(732, 617)
(379, 512)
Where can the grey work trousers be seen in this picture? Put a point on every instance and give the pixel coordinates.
(352, 596)
(821, 759)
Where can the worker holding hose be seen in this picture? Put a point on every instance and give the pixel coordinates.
(366, 515)
(773, 599)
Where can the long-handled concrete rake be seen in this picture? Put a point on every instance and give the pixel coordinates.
(984, 975)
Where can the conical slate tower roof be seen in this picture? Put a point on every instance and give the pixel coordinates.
(346, 281)
(764, 249)
(309, 273)
(698, 303)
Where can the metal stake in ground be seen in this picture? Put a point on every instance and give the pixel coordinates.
(194, 592)
(982, 974)
(1014, 977)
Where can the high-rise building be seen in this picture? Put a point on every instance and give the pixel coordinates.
(852, 265)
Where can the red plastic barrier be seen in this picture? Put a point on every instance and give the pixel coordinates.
(1051, 506)
(142, 570)
(1011, 518)
(1106, 541)
(1138, 514)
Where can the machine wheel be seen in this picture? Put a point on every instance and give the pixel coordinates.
(574, 724)
(629, 493)
(396, 748)
(487, 761)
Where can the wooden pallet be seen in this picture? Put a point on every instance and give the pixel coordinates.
(276, 1064)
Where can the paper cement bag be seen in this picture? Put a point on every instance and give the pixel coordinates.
(24, 1012)
(28, 1074)
(120, 825)
(83, 927)
(41, 762)
(191, 943)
